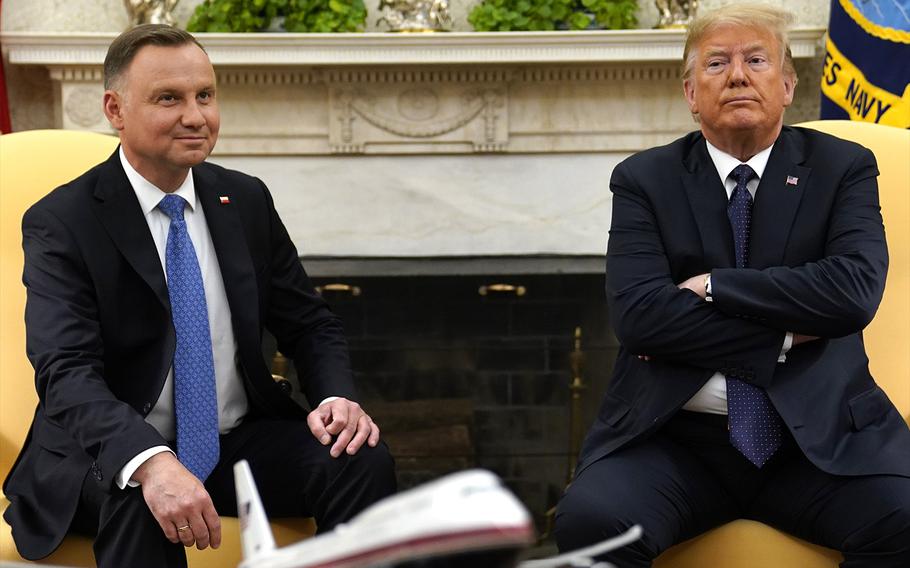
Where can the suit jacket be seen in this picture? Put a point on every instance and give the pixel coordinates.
(101, 339)
(818, 261)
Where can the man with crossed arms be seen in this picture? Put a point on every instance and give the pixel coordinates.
(744, 262)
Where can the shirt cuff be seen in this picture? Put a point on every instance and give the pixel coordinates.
(709, 292)
(788, 344)
(327, 399)
(123, 476)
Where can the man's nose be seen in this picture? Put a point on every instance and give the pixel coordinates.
(192, 115)
(738, 75)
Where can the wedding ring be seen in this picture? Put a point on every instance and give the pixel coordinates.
(183, 528)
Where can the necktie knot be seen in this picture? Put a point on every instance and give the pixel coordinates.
(172, 206)
(742, 174)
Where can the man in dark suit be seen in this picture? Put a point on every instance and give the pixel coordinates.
(744, 262)
(150, 280)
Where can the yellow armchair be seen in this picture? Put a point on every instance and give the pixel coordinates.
(749, 544)
(31, 164)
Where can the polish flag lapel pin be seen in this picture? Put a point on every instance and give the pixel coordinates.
(225, 200)
(792, 180)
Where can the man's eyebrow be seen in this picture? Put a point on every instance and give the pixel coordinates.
(158, 89)
(712, 51)
(757, 46)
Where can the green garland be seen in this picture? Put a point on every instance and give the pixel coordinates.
(320, 16)
(545, 15)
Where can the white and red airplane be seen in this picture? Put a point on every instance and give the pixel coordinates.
(465, 519)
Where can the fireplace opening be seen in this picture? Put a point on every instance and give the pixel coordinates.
(477, 370)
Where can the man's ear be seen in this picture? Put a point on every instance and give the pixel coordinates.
(789, 88)
(112, 104)
(689, 91)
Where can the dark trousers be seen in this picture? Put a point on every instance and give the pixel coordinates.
(295, 476)
(687, 479)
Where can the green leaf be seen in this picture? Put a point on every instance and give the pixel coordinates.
(579, 21)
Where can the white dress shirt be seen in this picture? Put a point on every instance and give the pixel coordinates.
(712, 397)
(232, 398)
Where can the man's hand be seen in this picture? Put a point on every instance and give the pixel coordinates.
(346, 420)
(179, 502)
(696, 284)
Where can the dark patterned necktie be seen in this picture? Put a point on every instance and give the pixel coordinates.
(755, 427)
(195, 397)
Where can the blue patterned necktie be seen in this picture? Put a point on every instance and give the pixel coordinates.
(195, 398)
(755, 428)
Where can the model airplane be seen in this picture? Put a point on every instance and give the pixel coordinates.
(463, 519)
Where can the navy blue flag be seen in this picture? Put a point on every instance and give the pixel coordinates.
(867, 62)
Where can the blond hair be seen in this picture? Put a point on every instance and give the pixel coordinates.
(757, 16)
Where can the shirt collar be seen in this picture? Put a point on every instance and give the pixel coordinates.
(725, 163)
(149, 194)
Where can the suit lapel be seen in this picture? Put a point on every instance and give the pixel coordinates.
(119, 211)
(776, 201)
(231, 248)
(708, 200)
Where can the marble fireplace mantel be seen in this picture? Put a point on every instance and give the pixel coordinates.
(319, 94)
(452, 145)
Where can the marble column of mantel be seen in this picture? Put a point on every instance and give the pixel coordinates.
(466, 92)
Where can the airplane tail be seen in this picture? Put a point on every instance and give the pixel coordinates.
(255, 533)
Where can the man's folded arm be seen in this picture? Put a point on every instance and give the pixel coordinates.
(651, 316)
(834, 296)
(63, 342)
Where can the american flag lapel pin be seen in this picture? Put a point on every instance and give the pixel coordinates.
(792, 180)
(225, 200)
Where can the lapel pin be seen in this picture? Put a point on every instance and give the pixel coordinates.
(224, 199)
(792, 180)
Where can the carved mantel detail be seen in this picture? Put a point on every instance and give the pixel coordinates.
(418, 111)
